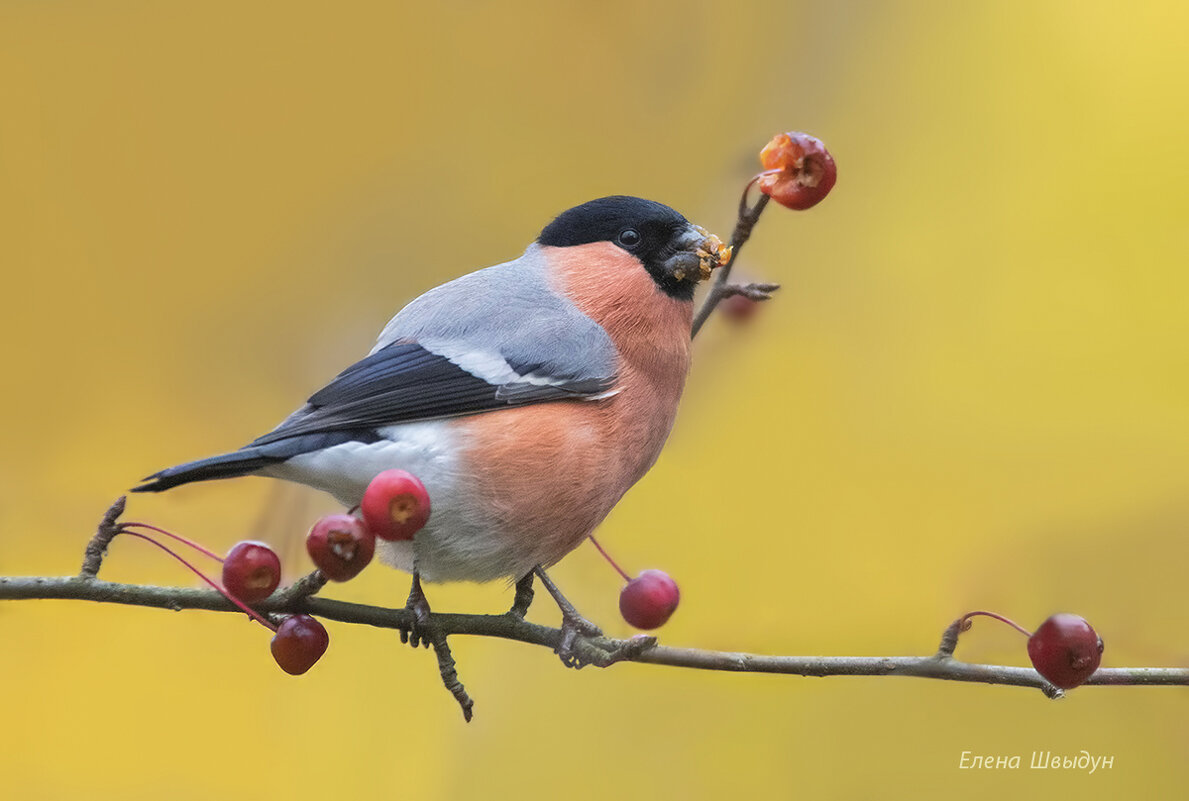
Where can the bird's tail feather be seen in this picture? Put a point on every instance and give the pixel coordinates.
(251, 458)
(227, 465)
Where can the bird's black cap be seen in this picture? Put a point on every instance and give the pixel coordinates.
(648, 230)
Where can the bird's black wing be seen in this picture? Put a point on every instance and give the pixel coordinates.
(405, 382)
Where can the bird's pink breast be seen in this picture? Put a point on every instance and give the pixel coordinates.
(547, 474)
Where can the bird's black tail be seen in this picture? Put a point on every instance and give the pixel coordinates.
(251, 458)
(227, 465)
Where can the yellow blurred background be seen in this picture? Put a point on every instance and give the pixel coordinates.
(972, 392)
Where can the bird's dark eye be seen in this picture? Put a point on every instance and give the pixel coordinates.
(628, 237)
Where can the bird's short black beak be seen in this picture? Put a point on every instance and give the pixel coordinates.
(698, 254)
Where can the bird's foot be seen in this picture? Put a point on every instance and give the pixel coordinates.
(575, 648)
(524, 596)
(418, 632)
(576, 631)
(421, 631)
(582, 643)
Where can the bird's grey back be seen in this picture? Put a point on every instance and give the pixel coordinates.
(510, 309)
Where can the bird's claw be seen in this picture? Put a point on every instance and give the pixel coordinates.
(581, 642)
(575, 647)
(578, 648)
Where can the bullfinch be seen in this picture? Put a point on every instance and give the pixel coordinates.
(528, 397)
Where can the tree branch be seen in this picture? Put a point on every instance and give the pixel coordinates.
(511, 627)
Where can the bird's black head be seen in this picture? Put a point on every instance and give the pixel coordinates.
(665, 242)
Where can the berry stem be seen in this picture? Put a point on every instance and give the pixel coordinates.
(745, 210)
(178, 537)
(964, 621)
(203, 576)
(607, 556)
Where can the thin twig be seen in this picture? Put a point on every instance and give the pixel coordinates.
(508, 627)
(746, 221)
(449, 675)
(307, 585)
(97, 547)
(753, 291)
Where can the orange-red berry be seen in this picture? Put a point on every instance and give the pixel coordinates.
(395, 505)
(800, 170)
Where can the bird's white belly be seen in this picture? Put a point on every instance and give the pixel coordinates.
(459, 543)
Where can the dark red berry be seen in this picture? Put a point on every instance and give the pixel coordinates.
(340, 546)
(299, 642)
(649, 599)
(800, 170)
(251, 571)
(395, 505)
(1065, 650)
(738, 308)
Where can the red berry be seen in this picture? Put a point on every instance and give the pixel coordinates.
(340, 546)
(804, 170)
(649, 599)
(1065, 650)
(738, 308)
(395, 505)
(251, 571)
(299, 642)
